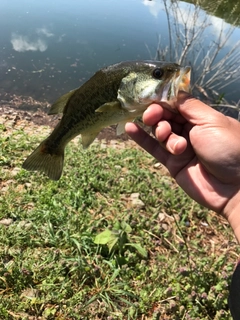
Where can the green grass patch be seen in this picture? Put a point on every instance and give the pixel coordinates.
(80, 248)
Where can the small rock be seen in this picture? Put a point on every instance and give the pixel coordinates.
(136, 202)
(29, 293)
(15, 171)
(6, 221)
(134, 196)
(161, 216)
(28, 185)
(165, 226)
(157, 165)
(4, 189)
(24, 224)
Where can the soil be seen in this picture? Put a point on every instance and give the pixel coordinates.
(24, 112)
(14, 118)
(16, 112)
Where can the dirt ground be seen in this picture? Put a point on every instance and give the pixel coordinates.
(14, 117)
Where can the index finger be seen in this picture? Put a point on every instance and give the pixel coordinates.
(155, 112)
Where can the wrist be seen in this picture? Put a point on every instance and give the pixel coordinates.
(232, 213)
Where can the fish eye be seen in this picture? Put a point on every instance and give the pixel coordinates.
(158, 73)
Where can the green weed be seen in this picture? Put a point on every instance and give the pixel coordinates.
(79, 249)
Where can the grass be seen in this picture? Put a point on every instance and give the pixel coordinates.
(171, 258)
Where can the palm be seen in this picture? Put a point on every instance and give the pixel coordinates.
(208, 167)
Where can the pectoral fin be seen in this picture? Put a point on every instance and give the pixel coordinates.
(87, 139)
(109, 106)
(60, 104)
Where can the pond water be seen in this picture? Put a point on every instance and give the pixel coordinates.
(50, 47)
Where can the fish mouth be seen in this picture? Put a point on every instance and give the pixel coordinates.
(180, 82)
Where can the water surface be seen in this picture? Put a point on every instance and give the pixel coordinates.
(50, 47)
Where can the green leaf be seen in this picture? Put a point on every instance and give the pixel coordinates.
(126, 227)
(112, 241)
(219, 287)
(103, 237)
(139, 248)
(114, 275)
(49, 312)
(117, 225)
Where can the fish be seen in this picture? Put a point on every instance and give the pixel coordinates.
(115, 94)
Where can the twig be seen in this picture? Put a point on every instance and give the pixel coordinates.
(187, 42)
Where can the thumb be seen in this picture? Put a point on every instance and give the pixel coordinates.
(195, 111)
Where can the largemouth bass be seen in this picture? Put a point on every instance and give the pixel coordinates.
(114, 95)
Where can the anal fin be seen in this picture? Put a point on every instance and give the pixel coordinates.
(121, 128)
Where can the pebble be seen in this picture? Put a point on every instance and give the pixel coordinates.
(6, 222)
(15, 171)
(157, 165)
(136, 202)
(161, 216)
(29, 293)
(24, 224)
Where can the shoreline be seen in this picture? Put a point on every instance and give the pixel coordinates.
(15, 118)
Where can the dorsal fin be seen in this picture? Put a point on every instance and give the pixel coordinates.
(59, 105)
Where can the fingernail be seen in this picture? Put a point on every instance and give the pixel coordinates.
(177, 146)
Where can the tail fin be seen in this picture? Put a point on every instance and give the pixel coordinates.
(42, 160)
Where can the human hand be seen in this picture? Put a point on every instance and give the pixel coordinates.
(201, 149)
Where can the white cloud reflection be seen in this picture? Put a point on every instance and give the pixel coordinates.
(45, 32)
(23, 43)
(37, 41)
(154, 7)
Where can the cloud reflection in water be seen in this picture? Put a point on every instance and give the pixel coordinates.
(22, 43)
